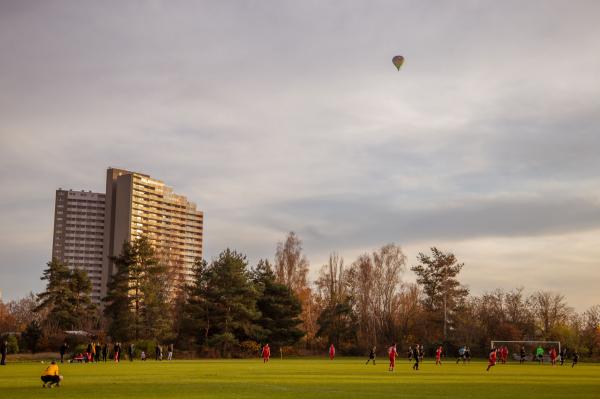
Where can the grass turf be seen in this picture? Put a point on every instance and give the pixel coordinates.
(301, 378)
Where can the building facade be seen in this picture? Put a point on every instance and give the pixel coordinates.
(138, 205)
(78, 239)
(90, 228)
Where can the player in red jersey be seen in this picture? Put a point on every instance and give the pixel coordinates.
(266, 353)
(492, 359)
(438, 356)
(553, 356)
(392, 352)
(331, 352)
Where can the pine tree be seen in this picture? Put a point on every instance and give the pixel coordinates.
(118, 301)
(279, 307)
(80, 287)
(31, 335)
(57, 299)
(139, 294)
(195, 323)
(154, 311)
(222, 305)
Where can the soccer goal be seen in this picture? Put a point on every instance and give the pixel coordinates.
(515, 346)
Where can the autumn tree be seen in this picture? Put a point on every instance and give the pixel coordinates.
(337, 320)
(550, 310)
(291, 269)
(438, 276)
(591, 330)
(375, 282)
(291, 265)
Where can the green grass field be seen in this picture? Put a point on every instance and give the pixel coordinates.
(301, 378)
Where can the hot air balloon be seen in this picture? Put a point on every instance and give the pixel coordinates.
(398, 61)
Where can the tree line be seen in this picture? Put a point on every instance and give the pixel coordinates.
(231, 308)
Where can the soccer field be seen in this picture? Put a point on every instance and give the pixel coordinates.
(301, 378)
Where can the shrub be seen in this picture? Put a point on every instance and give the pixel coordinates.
(250, 348)
(147, 346)
(80, 348)
(13, 344)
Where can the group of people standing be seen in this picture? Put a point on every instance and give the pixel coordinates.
(96, 352)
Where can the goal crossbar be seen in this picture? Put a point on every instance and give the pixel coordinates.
(524, 342)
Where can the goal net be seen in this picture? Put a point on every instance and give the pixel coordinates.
(514, 348)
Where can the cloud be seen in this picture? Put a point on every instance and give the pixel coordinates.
(278, 116)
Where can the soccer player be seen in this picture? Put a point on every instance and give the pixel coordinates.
(331, 352)
(522, 354)
(131, 351)
(117, 351)
(461, 354)
(63, 350)
(553, 356)
(392, 355)
(410, 353)
(371, 356)
(575, 358)
(492, 359)
(563, 355)
(170, 352)
(50, 376)
(504, 354)
(157, 352)
(539, 354)
(104, 352)
(438, 356)
(468, 354)
(416, 357)
(98, 349)
(3, 351)
(89, 354)
(266, 353)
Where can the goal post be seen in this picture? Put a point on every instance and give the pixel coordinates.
(546, 344)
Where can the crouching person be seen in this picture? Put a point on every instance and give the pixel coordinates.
(50, 376)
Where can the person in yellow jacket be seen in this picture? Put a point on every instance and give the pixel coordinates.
(50, 376)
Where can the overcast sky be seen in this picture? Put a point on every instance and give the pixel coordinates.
(289, 115)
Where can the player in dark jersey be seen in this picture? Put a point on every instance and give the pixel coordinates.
(371, 356)
(563, 355)
(415, 355)
(461, 354)
(575, 358)
(522, 355)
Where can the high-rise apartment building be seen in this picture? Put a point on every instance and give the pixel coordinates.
(138, 205)
(79, 234)
(90, 228)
